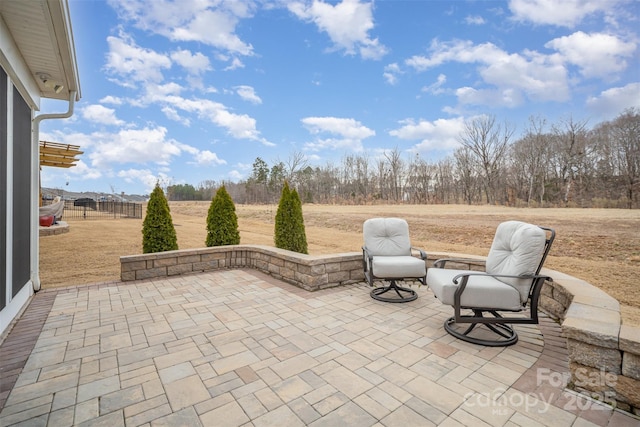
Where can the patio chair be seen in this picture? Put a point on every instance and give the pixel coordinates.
(511, 280)
(387, 255)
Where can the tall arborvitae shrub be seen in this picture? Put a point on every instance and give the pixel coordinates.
(299, 238)
(222, 221)
(158, 233)
(289, 227)
(282, 226)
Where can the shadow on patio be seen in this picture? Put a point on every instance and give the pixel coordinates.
(239, 348)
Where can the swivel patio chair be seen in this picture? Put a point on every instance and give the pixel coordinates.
(511, 280)
(387, 255)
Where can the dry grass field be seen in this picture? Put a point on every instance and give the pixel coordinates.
(601, 246)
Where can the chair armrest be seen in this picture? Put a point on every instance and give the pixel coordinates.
(465, 278)
(525, 276)
(365, 252)
(366, 258)
(440, 263)
(423, 254)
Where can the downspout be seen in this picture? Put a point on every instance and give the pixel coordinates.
(35, 185)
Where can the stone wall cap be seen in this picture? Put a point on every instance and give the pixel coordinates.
(630, 339)
(593, 312)
(603, 334)
(576, 286)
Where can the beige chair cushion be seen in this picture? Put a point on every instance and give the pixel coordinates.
(398, 267)
(387, 241)
(517, 249)
(481, 291)
(387, 237)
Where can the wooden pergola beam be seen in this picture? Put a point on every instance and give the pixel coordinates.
(58, 155)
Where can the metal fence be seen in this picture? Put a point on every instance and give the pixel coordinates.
(91, 209)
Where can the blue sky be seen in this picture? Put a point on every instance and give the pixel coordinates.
(185, 91)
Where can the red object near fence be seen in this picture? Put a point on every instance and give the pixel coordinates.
(47, 220)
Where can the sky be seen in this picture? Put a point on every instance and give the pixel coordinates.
(185, 91)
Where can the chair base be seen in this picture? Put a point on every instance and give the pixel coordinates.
(506, 333)
(402, 294)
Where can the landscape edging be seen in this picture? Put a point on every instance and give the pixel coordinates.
(604, 355)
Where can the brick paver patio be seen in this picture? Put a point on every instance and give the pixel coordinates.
(238, 348)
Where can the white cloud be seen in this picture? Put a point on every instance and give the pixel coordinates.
(565, 13)
(441, 134)
(211, 23)
(172, 114)
(235, 64)
(157, 93)
(539, 77)
(114, 100)
(235, 175)
(436, 87)
(346, 23)
(597, 55)
(85, 171)
(349, 128)
(130, 61)
(506, 97)
(194, 63)
(349, 133)
(133, 146)
(145, 176)
(215, 28)
(391, 73)
(100, 114)
(248, 93)
(239, 126)
(613, 101)
(474, 20)
(206, 157)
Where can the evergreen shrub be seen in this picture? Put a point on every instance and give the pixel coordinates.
(158, 232)
(289, 223)
(222, 221)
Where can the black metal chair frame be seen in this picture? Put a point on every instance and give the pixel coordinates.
(498, 324)
(403, 294)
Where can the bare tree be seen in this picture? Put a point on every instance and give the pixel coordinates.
(488, 142)
(467, 171)
(549, 164)
(362, 175)
(569, 148)
(626, 133)
(208, 188)
(294, 163)
(420, 177)
(381, 179)
(530, 158)
(445, 189)
(396, 173)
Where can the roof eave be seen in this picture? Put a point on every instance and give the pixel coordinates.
(64, 44)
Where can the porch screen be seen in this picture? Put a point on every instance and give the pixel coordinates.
(3, 188)
(21, 191)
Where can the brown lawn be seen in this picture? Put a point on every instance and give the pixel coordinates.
(601, 246)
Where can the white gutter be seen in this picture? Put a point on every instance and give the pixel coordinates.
(35, 185)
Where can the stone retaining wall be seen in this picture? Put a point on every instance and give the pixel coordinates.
(59, 228)
(604, 355)
(308, 272)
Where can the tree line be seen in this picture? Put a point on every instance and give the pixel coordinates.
(550, 165)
